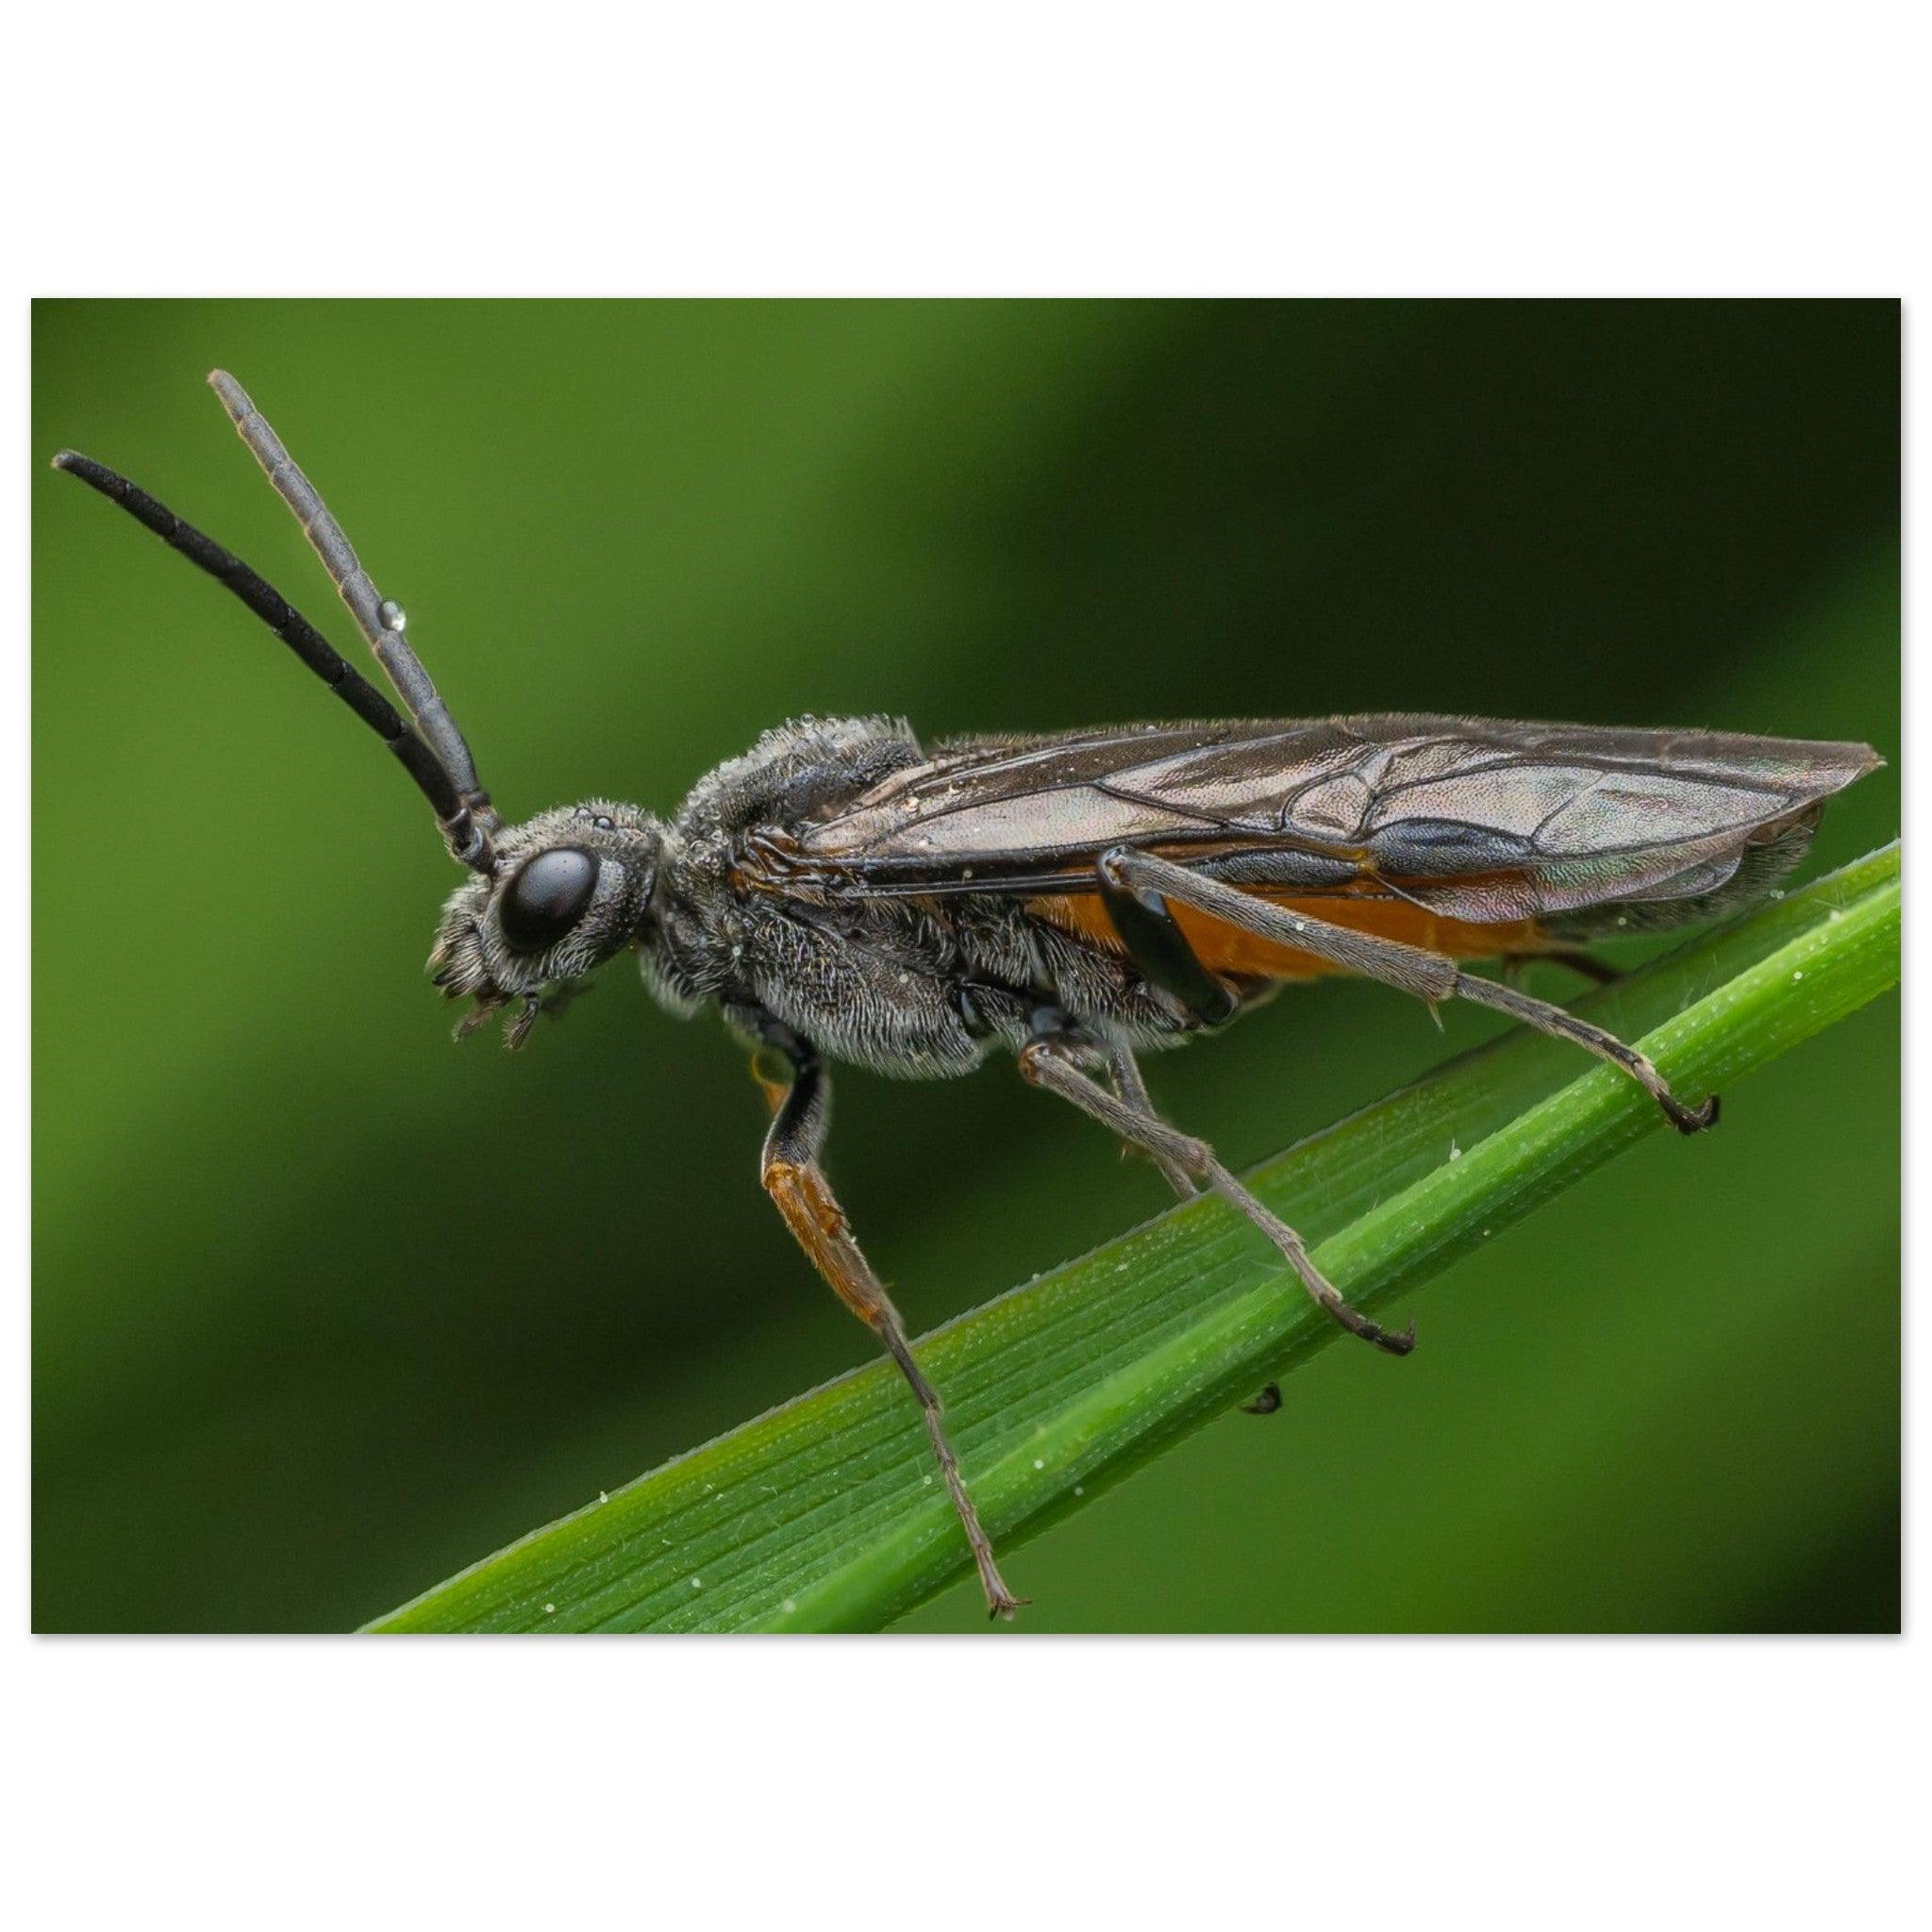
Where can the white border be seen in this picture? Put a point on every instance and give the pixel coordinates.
(364, 148)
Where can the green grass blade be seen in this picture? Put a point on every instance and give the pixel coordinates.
(826, 1514)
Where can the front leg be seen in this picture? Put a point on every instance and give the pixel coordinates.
(799, 1093)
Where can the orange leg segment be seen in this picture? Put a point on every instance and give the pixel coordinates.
(800, 1191)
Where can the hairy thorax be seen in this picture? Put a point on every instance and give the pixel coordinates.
(915, 986)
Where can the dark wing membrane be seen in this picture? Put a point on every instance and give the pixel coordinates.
(1475, 819)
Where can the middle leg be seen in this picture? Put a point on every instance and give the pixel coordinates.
(1123, 1070)
(1051, 1059)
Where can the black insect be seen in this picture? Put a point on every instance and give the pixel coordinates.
(844, 889)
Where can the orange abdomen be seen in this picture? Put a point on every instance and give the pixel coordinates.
(1224, 948)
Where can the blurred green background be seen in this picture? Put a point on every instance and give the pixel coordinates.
(293, 1362)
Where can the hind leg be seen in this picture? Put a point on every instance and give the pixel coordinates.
(1409, 969)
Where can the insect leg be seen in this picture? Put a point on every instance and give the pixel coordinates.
(799, 1094)
(1563, 1024)
(1123, 1069)
(1413, 970)
(1048, 1061)
(1159, 948)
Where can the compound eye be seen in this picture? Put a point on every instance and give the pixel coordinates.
(547, 897)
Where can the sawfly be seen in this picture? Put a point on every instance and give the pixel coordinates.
(846, 890)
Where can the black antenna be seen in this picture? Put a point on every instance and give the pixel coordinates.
(467, 838)
(379, 619)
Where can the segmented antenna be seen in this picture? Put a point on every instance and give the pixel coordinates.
(379, 620)
(465, 836)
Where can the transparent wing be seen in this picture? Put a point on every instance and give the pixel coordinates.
(1473, 818)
